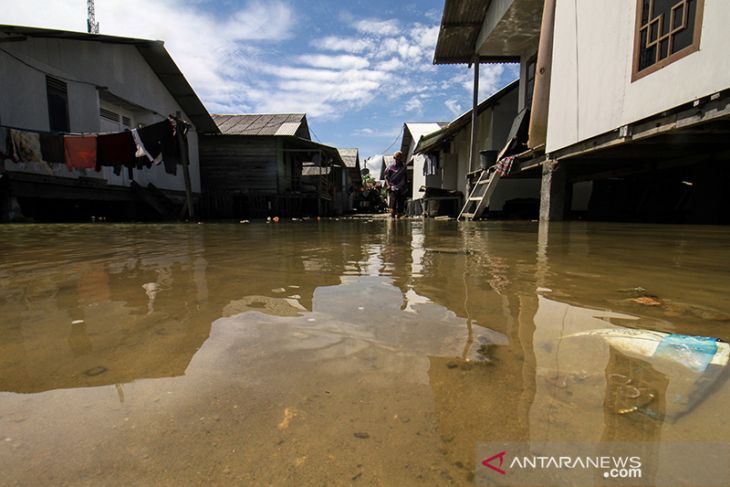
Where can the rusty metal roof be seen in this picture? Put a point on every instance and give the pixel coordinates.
(351, 157)
(153, 52)
(263, 124)
(461, 23)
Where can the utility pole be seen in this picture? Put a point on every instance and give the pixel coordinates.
(91, 24)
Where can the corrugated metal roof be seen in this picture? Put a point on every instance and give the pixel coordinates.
(351, 157)
(285, 124)
(432, 140)
(153, 52)
(414, 131)
(461, 24)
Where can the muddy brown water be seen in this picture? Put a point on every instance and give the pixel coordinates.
(345, 352)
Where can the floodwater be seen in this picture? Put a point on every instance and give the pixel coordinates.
(341, 352)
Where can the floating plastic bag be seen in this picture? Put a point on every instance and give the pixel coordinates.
(689, 366)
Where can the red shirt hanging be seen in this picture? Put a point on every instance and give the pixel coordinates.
(80, 151)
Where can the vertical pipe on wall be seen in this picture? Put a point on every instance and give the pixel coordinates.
(541, 93)
(475, 101)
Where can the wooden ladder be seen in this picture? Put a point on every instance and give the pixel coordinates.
(478, 200)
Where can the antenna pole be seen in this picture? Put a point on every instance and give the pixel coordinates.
(91, 24)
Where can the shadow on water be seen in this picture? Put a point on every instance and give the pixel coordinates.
(338, 351)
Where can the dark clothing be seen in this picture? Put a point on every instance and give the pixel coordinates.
(160, 141)
(115, 150)
(170, 150)
(397, 201)
(52, 148)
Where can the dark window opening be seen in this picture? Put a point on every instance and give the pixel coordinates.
(57, 104)
(666, 30)
(530, 81)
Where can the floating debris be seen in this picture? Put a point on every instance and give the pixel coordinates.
(94, 371)
(361, 435)
(289, 414)
(689, 364)
(647, 301)
(77, 322)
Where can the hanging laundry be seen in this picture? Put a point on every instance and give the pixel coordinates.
(171, 147)
(151, 139)
(504, 166)
(80, 151)
(141, 152)
(431, 165)
(26, 146)
(115, 150)
(52, 147)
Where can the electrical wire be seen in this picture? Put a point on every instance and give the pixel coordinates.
(393, 143)
(73, 80)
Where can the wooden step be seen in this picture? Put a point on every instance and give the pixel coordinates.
(467, 215)
(484, 181)
(475, 198)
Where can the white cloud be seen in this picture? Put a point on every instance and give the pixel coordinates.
(215, 54)
(425, 36)
(490, 79)
(334, 62)
(378, 27)
(391, 64)
(234, 64)
(370, 132)
(454, 106)
(344, 44)
(413, 105)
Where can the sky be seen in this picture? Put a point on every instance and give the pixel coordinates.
(358, 69)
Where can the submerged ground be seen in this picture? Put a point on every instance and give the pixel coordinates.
(371, 352)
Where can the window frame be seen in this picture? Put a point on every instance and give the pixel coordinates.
(530, 94)
(672, 57)
(56, 87)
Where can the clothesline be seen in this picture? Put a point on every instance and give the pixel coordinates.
(135, 148)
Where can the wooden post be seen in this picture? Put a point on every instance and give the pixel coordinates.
(185, 160)
(473, 147)
(319, 185)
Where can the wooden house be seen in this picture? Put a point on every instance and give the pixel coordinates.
(253, 168)
(55, 81)
(353, 181)
(447, 180)
(629, 101)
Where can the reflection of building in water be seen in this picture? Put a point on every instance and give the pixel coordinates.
(93, 323)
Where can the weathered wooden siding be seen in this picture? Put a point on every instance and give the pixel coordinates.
(239, 163)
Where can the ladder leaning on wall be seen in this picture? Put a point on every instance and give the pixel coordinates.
(480, 195)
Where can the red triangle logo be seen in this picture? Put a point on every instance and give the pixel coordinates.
(500, 456)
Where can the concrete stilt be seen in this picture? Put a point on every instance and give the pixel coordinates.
(553, 191)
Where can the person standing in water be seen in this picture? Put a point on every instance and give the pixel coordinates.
(395, 181)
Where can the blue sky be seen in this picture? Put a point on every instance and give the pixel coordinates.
(359, 69)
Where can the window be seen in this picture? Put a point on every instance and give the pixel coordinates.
(666, 30)
(530, 81)
(57, 104)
